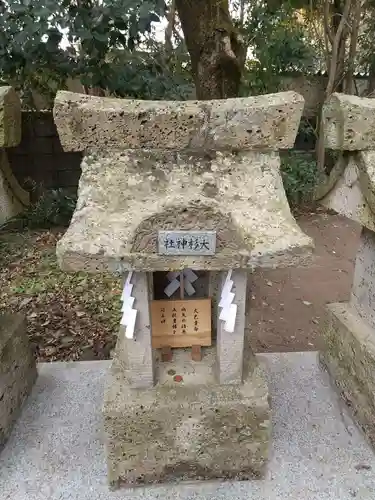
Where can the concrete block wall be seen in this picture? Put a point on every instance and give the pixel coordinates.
(40, 157)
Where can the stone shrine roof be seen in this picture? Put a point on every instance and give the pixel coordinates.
(164, 177)
(349, 126)
(349, 122)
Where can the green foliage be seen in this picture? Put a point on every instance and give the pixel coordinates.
(299, 175)
(366, 53)
(29, 46)
(55, 207)
(279, 45)
(149, 75)
(307, 134)
(110, 44)
(101, 46)
(307, 128)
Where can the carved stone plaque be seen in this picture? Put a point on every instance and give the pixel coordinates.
(186, 242)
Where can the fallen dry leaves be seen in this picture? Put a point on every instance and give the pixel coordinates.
(70, 316)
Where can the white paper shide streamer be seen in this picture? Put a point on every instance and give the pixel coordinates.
(189, 278)
(129, 314)
(228, 309)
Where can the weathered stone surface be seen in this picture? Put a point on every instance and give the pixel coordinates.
(349, 357)
(349, 122)
(194, 430)
(136, 358)
(214, 291)
(230, 346)
(268, 122)
(363, 289)
(126, 197)
(349, 335)
(13, 199)
(17, 371)
(347, 196)
(168, 166)
(349, 126)
(10, 118)
(366, 169)
(328, 182)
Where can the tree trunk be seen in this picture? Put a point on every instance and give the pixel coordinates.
(337, 14)
(336, 64)
(371, 81)
(349, 86)
(216, 50)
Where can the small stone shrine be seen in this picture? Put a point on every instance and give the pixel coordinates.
(349, 335)
(184, 199)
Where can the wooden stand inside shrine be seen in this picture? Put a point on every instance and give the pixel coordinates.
(183, 322)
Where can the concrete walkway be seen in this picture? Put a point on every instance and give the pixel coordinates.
(56, 450)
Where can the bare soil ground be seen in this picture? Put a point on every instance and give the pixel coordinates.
(288, 305)
(72, 317)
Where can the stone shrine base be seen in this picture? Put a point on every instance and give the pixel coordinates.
(175, 432)
(56, 449)
(349, 356)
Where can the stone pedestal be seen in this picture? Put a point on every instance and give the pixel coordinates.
(17, 371)
(196, 429)
(349, 338)
(349, 333)
(349, 357)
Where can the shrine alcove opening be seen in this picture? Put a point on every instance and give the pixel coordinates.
(181, 312)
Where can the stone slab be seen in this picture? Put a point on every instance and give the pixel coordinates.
(349, 355)
(349, 122)
(17, 371)
(10, 118)
(268, 122)
(56, 449)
